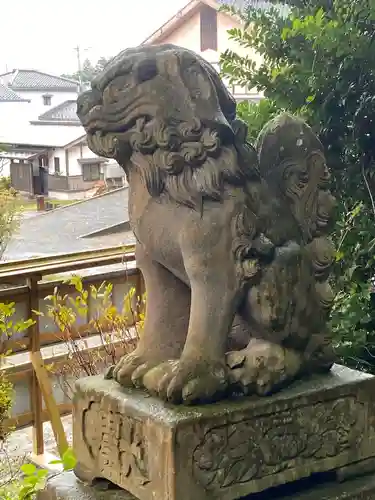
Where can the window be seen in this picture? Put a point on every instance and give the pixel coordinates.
(208, 28)
(56, 161)
(239, 90)
(47, 100)
(91, 172)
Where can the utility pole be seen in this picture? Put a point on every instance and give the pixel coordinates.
(79, 64)
(78, 50)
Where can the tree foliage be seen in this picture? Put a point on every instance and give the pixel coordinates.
(256, 115)
(319, 61)
(89, 70)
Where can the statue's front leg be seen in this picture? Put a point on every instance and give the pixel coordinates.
(166, 322)
(201, 374)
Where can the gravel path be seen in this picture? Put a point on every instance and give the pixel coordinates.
(20, 444)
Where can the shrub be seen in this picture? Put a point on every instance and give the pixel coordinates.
(9, 217)
(33, 479)
(256, 115)
(118, 330)
(7, 329)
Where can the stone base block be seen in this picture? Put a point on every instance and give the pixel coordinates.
(226, 450)
(67, 487)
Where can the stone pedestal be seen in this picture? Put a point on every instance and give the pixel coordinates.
(67, 487)
(227, 450)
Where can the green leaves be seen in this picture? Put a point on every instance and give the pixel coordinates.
(33, 481)
(256, 115)
(68, 460)
(28, 469)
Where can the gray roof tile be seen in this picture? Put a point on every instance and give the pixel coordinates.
(8, 95)
(67, 228)
(66, 112)
(25, 79)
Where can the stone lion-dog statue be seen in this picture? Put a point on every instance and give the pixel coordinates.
(231, 239)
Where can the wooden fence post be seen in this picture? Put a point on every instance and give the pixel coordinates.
(52, 408)
(139, 291)
(36, 400)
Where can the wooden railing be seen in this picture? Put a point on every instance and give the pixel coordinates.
(27, 289)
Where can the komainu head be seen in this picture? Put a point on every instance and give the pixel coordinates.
(165, 111)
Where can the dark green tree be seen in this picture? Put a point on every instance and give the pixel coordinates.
(318, 60)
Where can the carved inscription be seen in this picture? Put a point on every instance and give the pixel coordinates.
(116, 443)
(241, 451)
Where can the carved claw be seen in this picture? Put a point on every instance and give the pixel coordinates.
(262, 367)
(156, 381)
(108, 374)
(198, 382)
(131, 368)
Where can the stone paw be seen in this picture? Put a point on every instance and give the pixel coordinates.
(194, 382)
(132, 367)
(262, 367)
(156, 381)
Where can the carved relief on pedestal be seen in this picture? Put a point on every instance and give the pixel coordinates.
(241, 451)
(116, 443)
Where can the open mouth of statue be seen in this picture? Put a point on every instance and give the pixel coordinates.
(113, 119)
(120, 128)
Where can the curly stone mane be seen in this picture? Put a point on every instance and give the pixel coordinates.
(189, 162)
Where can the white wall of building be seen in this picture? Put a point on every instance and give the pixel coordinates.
(56, 153)
(15, 116)
(12, 114)
(37, 106)
(188, 35)
(75, 153)
(4, 167)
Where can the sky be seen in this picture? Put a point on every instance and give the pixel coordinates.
(42, 34)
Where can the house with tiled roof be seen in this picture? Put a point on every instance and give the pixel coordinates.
(62, 114)
(12, 105)
(46, 152)
(202, 27)
(43, 90)
(26, 94)
(50, 156)
(8, 95)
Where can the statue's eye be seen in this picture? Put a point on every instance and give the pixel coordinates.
(123, 82)
(114, 90)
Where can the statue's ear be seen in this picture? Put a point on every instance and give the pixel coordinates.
(247, 154)
(240, 129)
